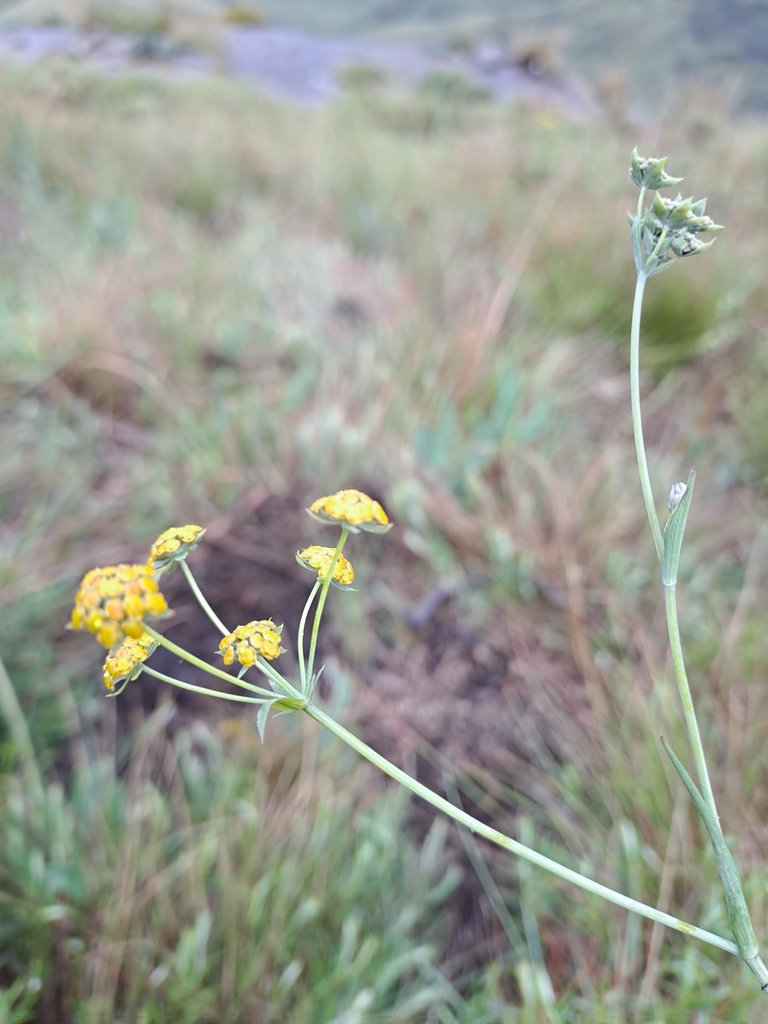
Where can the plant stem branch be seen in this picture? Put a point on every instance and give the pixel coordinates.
(202, 689)
(202, 600)
(321, 605)
(300, 638)
(637, 422)
(199, 663)
(512, 845)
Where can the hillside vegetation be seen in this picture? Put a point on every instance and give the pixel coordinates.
(208, 303)
(643, 51)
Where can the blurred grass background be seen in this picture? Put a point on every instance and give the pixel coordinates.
(204, 294)
(641, 49)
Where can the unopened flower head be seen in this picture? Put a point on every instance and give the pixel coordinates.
(319, 559)
(173, 546)
(648, 172)
(676, 495)
(125, 662)
(669, 227)
(114, 601)
(680, 214)
(352, 509)
(251, 640)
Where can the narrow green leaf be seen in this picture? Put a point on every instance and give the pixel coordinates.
(738, 912)
(261, 719)
(673, 535)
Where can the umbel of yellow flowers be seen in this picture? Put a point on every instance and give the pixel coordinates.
(351, 509)
(125, 663)
(251, 640)
(173, 546)
(319, 559)
(113, 602)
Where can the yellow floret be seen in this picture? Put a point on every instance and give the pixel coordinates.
(246, 655)
(133, 627)
(155, 604)
(94, 621)
(109, 634)
(134, 606)
(115, 609)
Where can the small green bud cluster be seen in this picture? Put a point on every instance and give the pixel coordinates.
(648, 172)
(670, 227)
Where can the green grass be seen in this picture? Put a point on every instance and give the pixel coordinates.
(259, 889)
(172, 334)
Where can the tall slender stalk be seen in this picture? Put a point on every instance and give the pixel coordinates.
(672, 227)
(670, 600)
(681, 676)
(637, 420)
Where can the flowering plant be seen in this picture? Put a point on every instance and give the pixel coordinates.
(115, 602)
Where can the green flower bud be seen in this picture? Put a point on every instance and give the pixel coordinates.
(687, 244)
(648, 172)
(676, 494)
(682, 214)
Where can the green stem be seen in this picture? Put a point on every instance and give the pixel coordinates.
(681, 677)
(741, 919)
(300, 638)
(199, 663)
(512, 845)
(203, 602)
(321, 605)
(637, 422)
(264, 666)
(202, 689)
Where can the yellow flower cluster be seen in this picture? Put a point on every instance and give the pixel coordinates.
(123, 662)
(319, 559)
(113, 602)
(250, 640)
(353, 508)
(173, 546)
